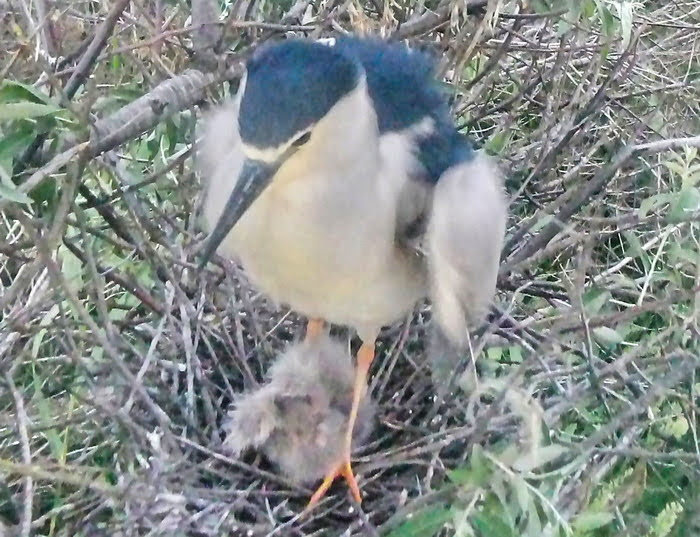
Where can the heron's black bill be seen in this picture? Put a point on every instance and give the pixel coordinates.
(253, 179)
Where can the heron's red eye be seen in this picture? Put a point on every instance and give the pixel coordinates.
(301, 140)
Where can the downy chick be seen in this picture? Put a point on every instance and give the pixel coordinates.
(299, 418)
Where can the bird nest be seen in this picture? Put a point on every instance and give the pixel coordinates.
(575, 409)
(178, 476)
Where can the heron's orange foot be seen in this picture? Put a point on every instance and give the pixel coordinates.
(343, 469)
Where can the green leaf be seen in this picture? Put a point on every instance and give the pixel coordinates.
(594, 299)
(534, 524)
(14, 143)
(652, 202)
(71, 266)
(666, 519)
(97, 354)
(12, 194)
(26, 110)
(497, 143)
(541, 6)
(494, 353)
(12, 91)
(45, 321)
(675, 167)
(563, 26)
(468, 476)
(498, 488)
(692, 178)
(477, 473)
(491, 525)
(478, 460)
(588, 8)
(592, 520)
(686, 201)
(678, 254)
(675, 426)
(538, 457)
(46, 192)
(607, 336)
(607, 21)
(424, 524)
(522, 493)
(56, 445)
(624, 9)
(633, 244)
(516, 353)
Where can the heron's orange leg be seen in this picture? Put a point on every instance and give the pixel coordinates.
(314, 329)
(364, 359)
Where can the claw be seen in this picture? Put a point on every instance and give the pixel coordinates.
(343, 469)
(364, 358)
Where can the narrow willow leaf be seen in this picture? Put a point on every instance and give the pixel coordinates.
(26, 110)
(592, 520)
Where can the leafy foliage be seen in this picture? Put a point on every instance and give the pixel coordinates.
(118, 359)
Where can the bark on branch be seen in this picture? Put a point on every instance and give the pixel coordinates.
(208, 33)
(141, 115)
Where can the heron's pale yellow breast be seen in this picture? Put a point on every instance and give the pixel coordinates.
(325, 253)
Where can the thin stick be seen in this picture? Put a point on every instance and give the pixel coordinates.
(21, 418)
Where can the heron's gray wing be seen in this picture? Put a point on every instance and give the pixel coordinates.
(463, 242)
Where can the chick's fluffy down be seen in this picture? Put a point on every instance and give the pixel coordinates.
(298, 419)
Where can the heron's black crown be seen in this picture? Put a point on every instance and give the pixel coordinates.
(294, 83)
(291, 85)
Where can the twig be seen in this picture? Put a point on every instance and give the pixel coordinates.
(674, 375)
(586, 192)
(81, 72)
(55, 475)
(22, 421)
(207, 35)
(650, 455)
(45, 171)
(60, 283)
(93, 50)
(672, 143)
(432, 20)
(43, 17)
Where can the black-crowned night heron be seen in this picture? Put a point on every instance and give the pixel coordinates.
(324, 173)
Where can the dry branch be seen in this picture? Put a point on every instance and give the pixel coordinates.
(94, 48)
(434, 19)
(130, 357)
(587, 191)
(207, 34)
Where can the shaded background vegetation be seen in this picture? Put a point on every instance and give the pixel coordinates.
(577, 407)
